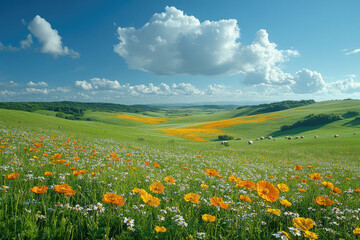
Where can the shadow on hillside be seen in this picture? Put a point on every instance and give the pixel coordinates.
(353, 123)
(295, 131)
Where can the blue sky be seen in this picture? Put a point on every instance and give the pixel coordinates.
(154, 51)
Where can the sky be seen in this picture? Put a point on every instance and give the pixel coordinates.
(179, 51)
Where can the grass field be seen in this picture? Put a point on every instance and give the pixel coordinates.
(57, 175)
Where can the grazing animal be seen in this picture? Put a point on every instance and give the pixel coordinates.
(262, 138)
(302, 137)
(270, 137)
(336, 136)
(315, 136)
(257, 139)
(224, 142)
(250, 142)
(297, 137)
(274, 139)
(289, 138)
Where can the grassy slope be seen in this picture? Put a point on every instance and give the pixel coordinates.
(115, 128)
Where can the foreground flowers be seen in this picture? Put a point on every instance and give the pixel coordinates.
(303, 223)
(113, 199)
(65, 189)
(160, 229)
(192, 197)
(12, 176)
(324, 201)
(267, 191)
(39, 189)
(208, 218)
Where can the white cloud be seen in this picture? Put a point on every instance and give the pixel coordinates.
(37, 84)
(174, 43)
(83, 85)
(50, 38)
(8, 84)
(345, 86)
(27, 42)
(8, 48)
(353, 52)
(5, 93)
(37, 91)
(307, 81)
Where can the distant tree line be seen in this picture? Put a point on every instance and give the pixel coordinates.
(73, 110)
(278, 106)
(313, 120)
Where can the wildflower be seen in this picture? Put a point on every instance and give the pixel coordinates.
(113, 199)
(204, 186)
(12, 176)
(301, 190)
(274, 211)
(315, 176)
(39, 189)
(157, 187)
(328, 184)
(62, 188)
(246, 184)
(282, 235)
(160, 229)
(192, 197)
(357, 190)
(208, 218)
(323, 201)
(267, 191)
(298, 167)
(211, 172)
(295, 231)
(356, 232)
(151, 200)
(303, 223)
(311, 235)
(285, 203)
(245, 198)
(283, 187)
(48, 173)
(169, 179)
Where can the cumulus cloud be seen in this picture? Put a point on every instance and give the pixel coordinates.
(6, 93)
(348, 85)
(37, 84)
(27, 42)
(174, 43)
(353, 52)
(307, 81)
(49, 37)
(8, 48)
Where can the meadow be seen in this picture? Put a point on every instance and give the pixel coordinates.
(132, 177)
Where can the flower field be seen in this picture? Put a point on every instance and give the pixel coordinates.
(57, 186)
(148, 120)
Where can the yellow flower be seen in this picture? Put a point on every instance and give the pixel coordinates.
(274, 211)
(246, 184)
(12, 176)
(315, 176)
(245, 198)
(298, 167)
(114, 199)
(39, 189)
(204, 186)
(211, 172)
(139, 190)
(169, 179)
(192, 197)
(311, 235)
(323, 201)
(303, 223)
(285, 203)
(157, 187)
(48, 173)
(283, 187)
(208, 218)
(328, 184)
(151, 200)
(160, 229)
(356, 232)
(267, 191)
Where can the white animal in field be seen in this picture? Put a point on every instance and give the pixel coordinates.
(289, 138)
(316, 136)
(336, 136)
(223, 142)
(250, 142)
(262, 138)
(302, 137)
(270, 137)
(297, 137)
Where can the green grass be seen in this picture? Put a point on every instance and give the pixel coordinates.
(88, 145)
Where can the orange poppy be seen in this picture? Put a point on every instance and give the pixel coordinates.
(157, 187)
(192, 197)
(12, 176)
(113, 199)
(323, 201)
(39, 189)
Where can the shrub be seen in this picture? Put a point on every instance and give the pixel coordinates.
(313, 120)
(225, 137)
